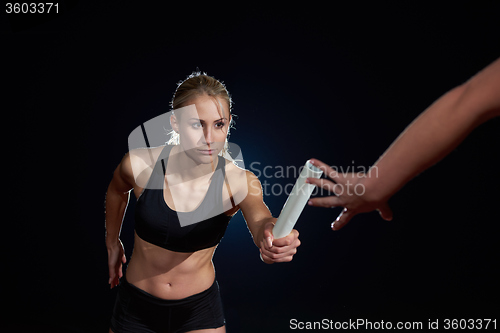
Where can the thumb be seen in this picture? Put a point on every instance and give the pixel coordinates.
(124, 258)
(268, 234)
(385, 212)
(342, 219)
(111, 275)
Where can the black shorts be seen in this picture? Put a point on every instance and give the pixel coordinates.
(137, 311)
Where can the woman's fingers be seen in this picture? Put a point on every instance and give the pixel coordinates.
(273, 256)
(116, 269)
(265, 259)
(283, 249)
(327, 202)
(326, 185)
(344, 187)
(343, 219)
(348, 214)
(327, 170)
(385, 212)
(111, 268)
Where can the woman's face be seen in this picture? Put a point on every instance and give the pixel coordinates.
(202, 126)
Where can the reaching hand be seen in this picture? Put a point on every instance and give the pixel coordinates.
(350, 193)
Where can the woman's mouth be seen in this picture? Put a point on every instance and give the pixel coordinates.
(206, 151)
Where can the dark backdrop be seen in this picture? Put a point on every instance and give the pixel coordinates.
(337, 82)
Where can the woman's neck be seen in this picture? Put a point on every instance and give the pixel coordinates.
(185, 168)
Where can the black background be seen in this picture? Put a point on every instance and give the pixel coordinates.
(335, 82)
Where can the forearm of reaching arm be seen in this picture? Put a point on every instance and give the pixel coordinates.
(436, 132)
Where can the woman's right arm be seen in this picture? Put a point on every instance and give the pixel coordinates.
(117, 198)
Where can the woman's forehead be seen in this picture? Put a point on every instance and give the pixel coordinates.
(206, 108)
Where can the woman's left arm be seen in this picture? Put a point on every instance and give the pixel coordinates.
(260, 223)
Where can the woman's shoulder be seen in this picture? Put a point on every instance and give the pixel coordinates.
(240, 180)
(233, 170)
(145, 156)
(140, 162)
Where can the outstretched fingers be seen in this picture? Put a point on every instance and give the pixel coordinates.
(325, 184)
(327, 170)
(326, 202)
(385, 212)
(331, 201)
(343, 219)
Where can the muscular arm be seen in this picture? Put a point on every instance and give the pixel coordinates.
(117, 198)
(254, 210)
(427, 140)
(260, 223)
(437, 131)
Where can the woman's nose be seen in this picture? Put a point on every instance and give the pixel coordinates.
(208, 135)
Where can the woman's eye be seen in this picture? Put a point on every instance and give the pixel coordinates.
(196, 125)
(220, 125)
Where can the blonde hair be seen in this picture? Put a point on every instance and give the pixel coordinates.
(195, 85)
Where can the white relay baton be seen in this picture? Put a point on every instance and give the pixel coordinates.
(296, 201)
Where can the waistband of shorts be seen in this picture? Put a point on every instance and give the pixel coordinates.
(147, 297)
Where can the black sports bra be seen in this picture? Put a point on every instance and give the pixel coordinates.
(157, 223)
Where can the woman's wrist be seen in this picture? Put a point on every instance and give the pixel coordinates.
(112, 242)
(260, 236)
(373, 191)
